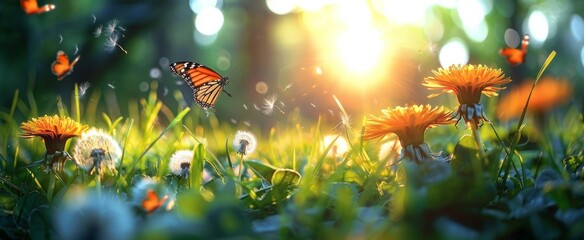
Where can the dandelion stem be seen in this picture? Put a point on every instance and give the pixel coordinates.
(51, 187)
(477, 165)
(98, 183)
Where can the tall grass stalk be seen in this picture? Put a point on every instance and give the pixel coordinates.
(509, 157)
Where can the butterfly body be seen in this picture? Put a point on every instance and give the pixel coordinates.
(61, 67)
(32, 7)
(514, 56)
(205, 82)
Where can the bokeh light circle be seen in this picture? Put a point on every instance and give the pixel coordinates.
(209, 21)
(198, 5)
(155, 73)
(512, 38)
(538, 26)
(281, 7)
(453, 52)
(577, 27)
(261, 87)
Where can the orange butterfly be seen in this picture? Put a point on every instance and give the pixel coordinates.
(61, 66)
(206, 83)
(516, 56)
(32, 7)
(152, 202)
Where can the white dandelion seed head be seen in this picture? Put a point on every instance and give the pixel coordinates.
(244, 142)
(88, 214)
(97, 150)
(340, 146)
(180, 163)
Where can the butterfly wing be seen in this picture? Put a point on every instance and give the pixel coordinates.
(61, 66)
(513, 56)
(205, 82)
(32, 7)
(151, 202)
(206, 95)
(516, 56)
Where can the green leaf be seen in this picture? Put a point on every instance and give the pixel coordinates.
(573, 163)
(465, 152)
(285, 178)
(264, 170)
(197, 164)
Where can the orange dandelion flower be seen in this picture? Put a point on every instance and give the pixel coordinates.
(409, 124)
(547, 94)
(55, 131)
(468, 82)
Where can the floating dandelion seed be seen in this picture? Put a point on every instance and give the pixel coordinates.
(94, 18)
(282, 104)
(83, 87)
(61, 39)
(76, 49)
(111, 43)
(110, 28)
(164, 91)
(345, 122)
(269, 105)
(98, 30)
(331, 112)
(256, 107)
(111, 85)
(245, 106)
(318, 71)
(288, 87)
(246, 123)
(233, 121)
(244, 142)
(180, 163)
(312, 104)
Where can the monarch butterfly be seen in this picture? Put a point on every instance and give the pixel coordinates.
(516, 56)
(152, 202)
(32, 7)
(205, 82)
(61, 66)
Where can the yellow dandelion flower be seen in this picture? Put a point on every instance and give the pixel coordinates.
(468, 82)
(409, 124)
(547, 94)
(55, 131)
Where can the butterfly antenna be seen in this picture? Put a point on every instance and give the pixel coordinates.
(228, 94)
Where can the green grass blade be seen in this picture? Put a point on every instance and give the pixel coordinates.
(174, 122)
(509, 157)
